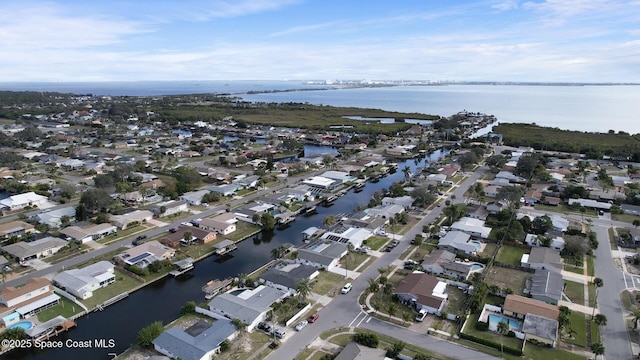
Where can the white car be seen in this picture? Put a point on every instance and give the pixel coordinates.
(421, 315)
(346, 288)
(301, 325)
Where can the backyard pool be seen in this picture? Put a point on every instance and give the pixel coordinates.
(514, 324)
(477, 244)
(477, 266)
(24, 325)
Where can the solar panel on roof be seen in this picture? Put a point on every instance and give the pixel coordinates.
(138, 258)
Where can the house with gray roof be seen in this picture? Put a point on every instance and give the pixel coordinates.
(353, 351)
(541, 329)
(546, 286)
(321, 254)
(53, 218)
(44, 247)
(543, 258)
(457, 241)
(249, 305)
(198, 342)
(82, 282)
(286, 276)
(194, 197)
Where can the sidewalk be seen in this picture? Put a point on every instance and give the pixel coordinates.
(583, 279)
(342, 271)
(579, 308)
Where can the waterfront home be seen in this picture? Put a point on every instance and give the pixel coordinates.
(200, 341)
(21, 201)
(320, 183)
(286, 276)
(457, 241)
(145, 254)
(543, 258)
(404, 201)
(21, 302)
(348, 235)
(321, 254)
(136, 216)
(84, 281)
(224, 223)
(386, 212)
(249, 305)
(423, 291)
(546, 285)
(15, 228)
(361, 219)
(44, 247)
(340, 177)
(197, 235)
(471, 226)
(436, 179)
(54, 218)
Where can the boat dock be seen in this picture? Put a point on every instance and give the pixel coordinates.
(215, 287)
(50, 328)
(182, 267)
(224, 247)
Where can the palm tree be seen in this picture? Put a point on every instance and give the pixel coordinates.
(391, 309)
(406, 317)
(597, 349)
(406, 171)
(373, 286)
(304, 289)
(239, 325)
(503, 328)
(330, 220)
(278, 252)
(600, 320)
(598, 282)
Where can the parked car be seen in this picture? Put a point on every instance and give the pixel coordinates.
(264, 327)
(421, 315)
(173, 230)
(364, 249)
(279, 333)
(395, 243)
(313, 318)
(274, 345)
(346, 288)
(301, 325)
(410, 262)
(388, 248)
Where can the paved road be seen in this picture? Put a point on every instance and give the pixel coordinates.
(345, 311)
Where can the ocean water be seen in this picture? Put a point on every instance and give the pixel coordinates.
(583, 108)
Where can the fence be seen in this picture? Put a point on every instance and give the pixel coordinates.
(297, 315)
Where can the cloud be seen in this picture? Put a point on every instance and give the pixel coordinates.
(505, 5)
(207, 9)
(567, 8)
(306, 28)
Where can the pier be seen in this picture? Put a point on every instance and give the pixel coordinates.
(182, 267)
(215, 287)
(224, 247)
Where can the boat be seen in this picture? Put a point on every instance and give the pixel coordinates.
(311, 210)
(328, 200)
(359, 186)
(216, 286)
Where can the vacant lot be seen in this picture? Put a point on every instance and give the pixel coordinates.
(574, 291)
(510, 255)
(326, 281)
(508, 279)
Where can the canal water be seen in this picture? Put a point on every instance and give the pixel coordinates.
(163, 299)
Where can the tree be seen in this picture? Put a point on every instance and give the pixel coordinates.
(366, 339)
(373, 286)
(268, 222)
(303, 288)
(395, 350)
(147, 334)
(600, 320)
(422, 197)
(503, 328)
(81, 212)
(16, 333)
(188, 236)
(598, 282)
(541, 224)
(330, 220)
(597, 349)
(391, 309)
(278, 252)
(421, 356)
(636, 223)
(96, 199)
(510, 194)
(406, 171)
(188, 308)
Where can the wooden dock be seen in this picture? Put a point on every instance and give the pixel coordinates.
(182, 267)
(215, 287)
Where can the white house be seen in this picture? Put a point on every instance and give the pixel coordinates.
(35, 249)
(249, 305)
(83, 282)
(21, 201)
(471, 226)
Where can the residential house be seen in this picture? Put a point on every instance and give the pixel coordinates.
(194, 198)
(84, 281)
(541, 329)
(386, 212)
(224, 223)
(543, 258)
(433, 262)
(457, 241)
(340, 177)
(136, 216)
(249, 305)
(249, 210)
(556, 242)
(18, 303)
(473, 227)
(423, 291)
(44, 247)
(246, 182)
(348, 235)
(321, 183)
(145, 254)
(495, 207)
(354, 351)
(547, 286)
(361, 219)
(76, 233)
(197, 235)
(285, 276)
(224, 190)
(519, 306)
(404, 201)
(476, 211)
(321, 254)
(15, 228)
(436, 179)
(21, 201)
(492, 191)
(170, 207)
(457, 270)
(54, 218)
(200, 341)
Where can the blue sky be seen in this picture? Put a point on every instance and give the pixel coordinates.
(501, 40)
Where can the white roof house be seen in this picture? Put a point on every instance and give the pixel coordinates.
(471, 226)
(122, 221)
(349, 235)
(194, 197)
(320, 182)
(82, 282)
(35, 249)
(339, 176)
(457, 241)
(21, 201)
(53, 218)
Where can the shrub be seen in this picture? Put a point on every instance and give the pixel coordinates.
(482, 326)
(366, 339)
(147, 334)
(490, 343)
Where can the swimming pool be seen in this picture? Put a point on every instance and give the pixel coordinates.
(514, 324)
(477, 244)
(24, 325)
(476, 266)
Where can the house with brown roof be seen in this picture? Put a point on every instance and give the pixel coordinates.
(224, 224)
(26, 300)
(519, 306)
(15, 228)
(145, 254)
(423, 291)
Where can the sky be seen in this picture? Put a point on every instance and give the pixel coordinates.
(438, 40)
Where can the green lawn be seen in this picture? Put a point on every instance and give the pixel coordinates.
(573, 268)
(592, 295)
(353, 260)
(544, 353)
(578, 329)
(511, 255)
(591, 266)
(489, 250)
(628, 218)
(326, 281)
(243, 230)
(123, 283)
(121, 234)
(66, 308)
(490, 335)
(575, 291)
(376, 242)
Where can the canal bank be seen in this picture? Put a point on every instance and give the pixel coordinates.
(163, 299)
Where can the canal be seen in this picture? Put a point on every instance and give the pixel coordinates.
(163, 299)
